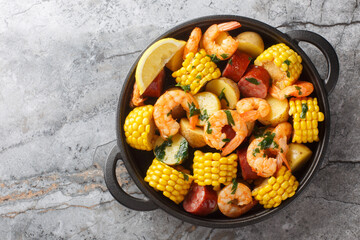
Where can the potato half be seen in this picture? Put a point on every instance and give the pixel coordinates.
(279, 111)
(251, 43)
(172, 151)
(208, 104)
(195, 137)
(298, 155)
(226, 90)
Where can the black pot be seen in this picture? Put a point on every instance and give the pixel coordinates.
(137, 162)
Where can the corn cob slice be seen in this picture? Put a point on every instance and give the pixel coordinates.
(197, 69)
(306, 115)
(174, 184)
(212, 169)
(282, 63)
(139, 128)
(272, 191)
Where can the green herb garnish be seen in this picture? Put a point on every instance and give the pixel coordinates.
(186, 88)
(250, 58)
(264, 155)
(234, 186)
(224, 55)
(299, 89)
(253, 81)
(160, 150)
(204, 116)
(229, 118)
(208, 129)
(198, 76)
(304, 109)
(281, 150)
(226, 140)
(214, 58)
(287, 62)
(286, 96)
(169, 113)
(183, 151)
(230, 61)
(288, 74)
(255, 151)
(222, 96)
(230, 202)
(186, 177)
(267, 141)
(193, 110)
(259, 131)
(276, 145)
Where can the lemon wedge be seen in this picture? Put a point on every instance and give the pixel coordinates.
(154, 59)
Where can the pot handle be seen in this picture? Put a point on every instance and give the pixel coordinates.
(328, 51)
(115, 189)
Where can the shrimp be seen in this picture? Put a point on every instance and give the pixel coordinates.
(228, 46)
(163, 108)
(283, 133)
(216, 139)
(233, 204)
(192, 43)
(250, 109)
(136, 99)
(298, 89)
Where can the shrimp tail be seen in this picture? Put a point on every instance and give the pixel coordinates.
(193, 121)
(224, 27)
(280, 159)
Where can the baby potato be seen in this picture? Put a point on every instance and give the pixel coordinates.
(279, 111)
(172, 151)
(251, 43)
(208, 103)
(195, 137)
(298, 155)
(226, 90)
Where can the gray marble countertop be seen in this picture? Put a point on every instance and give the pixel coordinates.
(62, 65)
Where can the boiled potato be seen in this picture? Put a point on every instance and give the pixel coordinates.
(208, 103)
(251, 43)
(175, 62)
(279, 111)
(298, 155)
(172, 151)
(195, 137)
(229, 89)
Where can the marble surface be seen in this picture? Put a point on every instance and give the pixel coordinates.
(62, 65)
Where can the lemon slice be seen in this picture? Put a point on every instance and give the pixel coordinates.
(154, 59)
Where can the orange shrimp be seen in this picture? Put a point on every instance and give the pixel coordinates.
(192, 43)
(163, 108)
(228, 46)
(298, 89)
(250, 109)
(233, 204)
(283, 133)
(136, 99)
(216, 139)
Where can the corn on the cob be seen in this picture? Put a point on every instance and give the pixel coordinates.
(212, 169)
(306, 115)
(282, 63)
(139, 128)
(274, 190)
(197, 69)
(174, 184)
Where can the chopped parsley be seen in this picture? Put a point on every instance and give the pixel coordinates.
(183, 151)
(255, 151)
(229, 118)
(234, 186)
(198, 76)
(250, 58)
(286, 96)
(222, 96)
(204, 115)
(304, 109)
(276, 145)
(259, 131)
(192, 66)
(288, 74)
(160, 150)
(193, 110)
(230, 61)
(253, 81)
(287, 62)
(208, 129)
(186, 88)
(169, 113)
(281, 150)
(264, 155)
(299, 89)
(226, 140)
(267, 141)
(230, 202)
(186, 177)
(224, 55)
(214, 58)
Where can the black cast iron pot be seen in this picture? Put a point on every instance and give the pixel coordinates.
(137, 162)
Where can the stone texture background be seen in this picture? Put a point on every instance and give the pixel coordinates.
(62, 65)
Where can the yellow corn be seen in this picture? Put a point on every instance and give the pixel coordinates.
(196, 70)
(212, 169)
(174, 184)
(272, 191)
(306, 115)
(282, 63)
(139, 128)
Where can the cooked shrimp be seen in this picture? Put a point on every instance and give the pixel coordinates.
(283, 133)
(233, 204)
(216, 139)
(259, 161)
(298, 89)
(251, 109)
(228, 46)
(163, 108)
(136, 99)
(192, 43)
